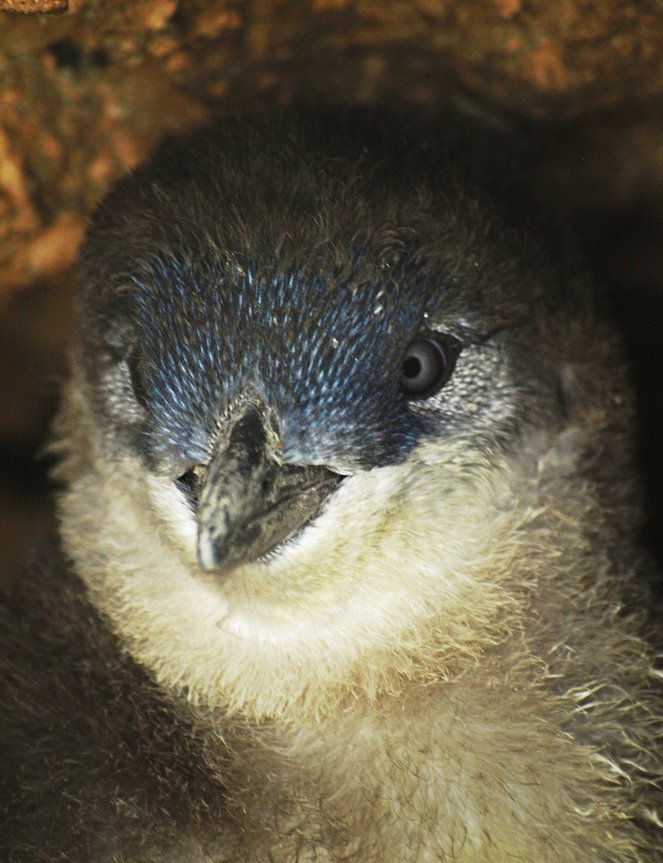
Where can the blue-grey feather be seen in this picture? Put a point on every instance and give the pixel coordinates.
(326, 362)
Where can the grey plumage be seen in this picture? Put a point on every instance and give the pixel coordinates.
(349, 563)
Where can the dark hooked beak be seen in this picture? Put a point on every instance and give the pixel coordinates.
(250, 502)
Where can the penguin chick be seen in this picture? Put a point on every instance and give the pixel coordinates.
(348, 562)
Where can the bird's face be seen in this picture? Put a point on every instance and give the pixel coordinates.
(253, 394)
(306, 425)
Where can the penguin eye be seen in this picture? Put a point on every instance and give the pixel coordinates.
(135, 364)
(427, 365)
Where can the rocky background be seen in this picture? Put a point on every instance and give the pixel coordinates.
(87, 87)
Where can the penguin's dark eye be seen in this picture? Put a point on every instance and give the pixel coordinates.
(135, 364)
(427, 365)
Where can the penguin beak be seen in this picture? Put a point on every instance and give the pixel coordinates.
(250, 502)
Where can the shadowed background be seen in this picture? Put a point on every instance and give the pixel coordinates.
(86, 93)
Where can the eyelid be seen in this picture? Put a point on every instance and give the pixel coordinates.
(473, 339)
(134, 363)
(452, 344)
